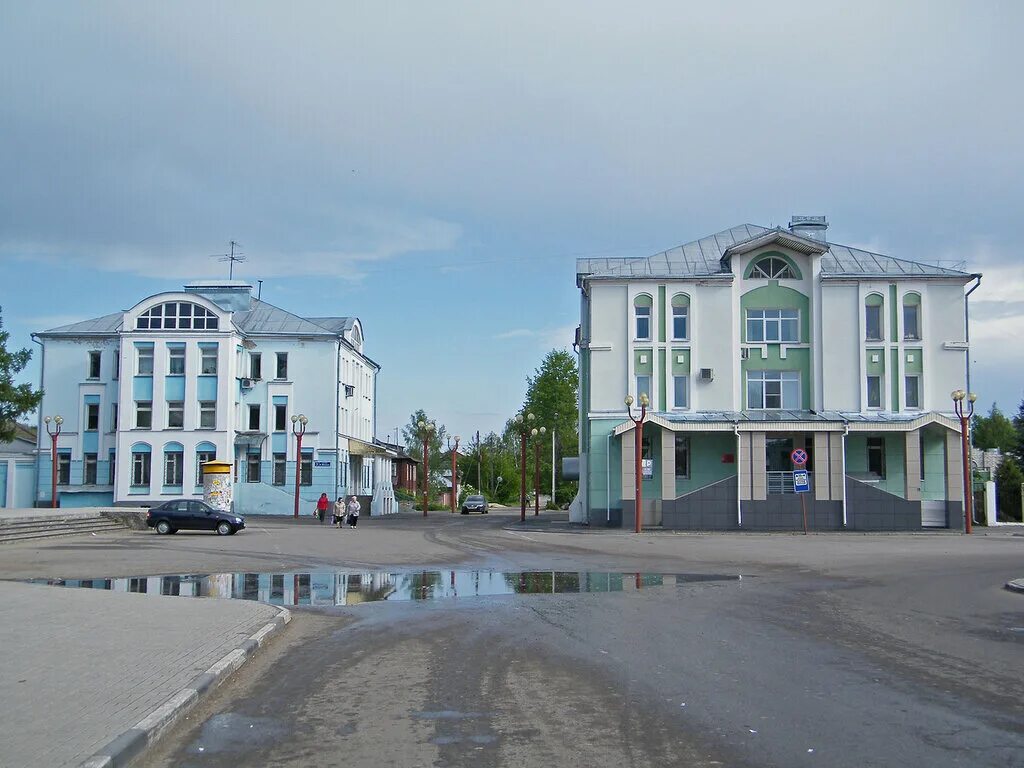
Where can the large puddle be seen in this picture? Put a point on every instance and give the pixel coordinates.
(333, 588)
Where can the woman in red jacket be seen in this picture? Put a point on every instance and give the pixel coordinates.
(321, 507)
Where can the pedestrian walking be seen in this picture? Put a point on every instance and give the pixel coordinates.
(321, 507)
(339, 512)
(353, 511)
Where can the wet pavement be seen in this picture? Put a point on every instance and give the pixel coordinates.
(338, 588)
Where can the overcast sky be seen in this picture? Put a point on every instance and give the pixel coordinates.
(434, 168)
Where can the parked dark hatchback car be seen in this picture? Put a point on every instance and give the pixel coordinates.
(189, 514)
(475, 504)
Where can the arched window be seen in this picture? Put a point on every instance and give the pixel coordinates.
(174, 465)
(680, 317)
(912, 316)
(141, 453)
(642, 306)
(773, 268)
(177, 316)
(873, 304)
(205, 452)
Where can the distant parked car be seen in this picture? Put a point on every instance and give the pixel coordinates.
(189, 514)
(475, 504)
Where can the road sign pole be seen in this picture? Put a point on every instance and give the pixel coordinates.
(803, 509)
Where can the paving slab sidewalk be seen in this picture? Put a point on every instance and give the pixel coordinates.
(81, 667)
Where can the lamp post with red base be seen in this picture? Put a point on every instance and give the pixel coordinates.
(537, 434)
(455, 469)
(54, 434)
(965, 417)
(426, 428)
(638, 451)
(299, 423)
(524, 424)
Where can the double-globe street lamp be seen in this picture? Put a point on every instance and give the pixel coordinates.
(426, 428)
(638, 434)
(965, 416)
(455, 481)
(54, 433)
(299, 423)
(537, 434)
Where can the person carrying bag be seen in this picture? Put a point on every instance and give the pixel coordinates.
(353, 511)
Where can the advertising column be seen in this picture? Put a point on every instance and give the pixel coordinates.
(217, 488)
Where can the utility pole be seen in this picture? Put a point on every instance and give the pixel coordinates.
(554, 428)
(479, 461)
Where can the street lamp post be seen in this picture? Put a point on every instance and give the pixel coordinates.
(299, 423)
(965, 416)
(54, 434)
(554, 426)
(536, 468)
(638, 451)
(455, 482)
(426, 428)
(524, 425)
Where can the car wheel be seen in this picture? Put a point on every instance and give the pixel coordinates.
(164, 527)
(465, 512)
(484, 512)
(224, 529)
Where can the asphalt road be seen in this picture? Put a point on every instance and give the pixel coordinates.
(838, 650)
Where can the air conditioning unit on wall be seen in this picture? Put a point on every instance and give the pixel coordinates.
(707, 374)
(248, 383)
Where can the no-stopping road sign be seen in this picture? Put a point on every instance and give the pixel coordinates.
(799, 457)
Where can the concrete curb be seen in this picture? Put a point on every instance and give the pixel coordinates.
(1017, 585)
(125, 748)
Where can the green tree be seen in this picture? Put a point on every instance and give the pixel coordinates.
(15, 399)
(1018, 427)
(994, 431)
(439, 456)
(1008, 488)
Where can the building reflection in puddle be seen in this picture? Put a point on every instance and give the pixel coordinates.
(340, 588)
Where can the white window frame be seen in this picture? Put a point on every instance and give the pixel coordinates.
(647, 390)
(280, 361)
(769, 380)
(144, 354)
(867, 392)
(207, 408)
(773, 322)
(177, 316)
(201, 458)
(279, 469)
(143, 406)
(175, 353)
(90, 465)
(95, 364)
(772, 268)
(176, 407)
(916, 336)
(208, 362)
(868, 308)
(916, 379)
(686, 390)
(681, 313)
(646, 315)
(90, 410)
(174, 469)
(141, 466)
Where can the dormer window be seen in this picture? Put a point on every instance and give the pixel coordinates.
(177, 316)
(773, 268)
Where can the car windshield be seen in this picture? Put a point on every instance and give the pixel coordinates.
(475, 499)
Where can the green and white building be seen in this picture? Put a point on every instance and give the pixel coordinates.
(751, 343)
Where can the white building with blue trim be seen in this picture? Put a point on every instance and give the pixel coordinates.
(211, 372)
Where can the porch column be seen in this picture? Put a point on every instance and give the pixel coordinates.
(822, 467)
(668, 465)
(628, 466)
(912, 466)
(758, 467)
(837, 463)
(954, 468)
(743, 465)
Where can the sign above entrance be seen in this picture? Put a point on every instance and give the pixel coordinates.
(799, 457)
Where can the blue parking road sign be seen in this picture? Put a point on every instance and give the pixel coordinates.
(801, 482)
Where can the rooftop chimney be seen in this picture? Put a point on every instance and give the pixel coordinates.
(809, 226)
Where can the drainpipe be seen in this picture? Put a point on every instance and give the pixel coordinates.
(739, 476)
(967, 339)
(846, 431)
(608, 478)
(337, 426)
(39, 415)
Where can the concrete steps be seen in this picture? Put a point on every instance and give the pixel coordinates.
(46, 526)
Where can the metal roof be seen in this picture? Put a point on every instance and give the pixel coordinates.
(704, 259)
(262, 318)
(336, 325)
(108, 325)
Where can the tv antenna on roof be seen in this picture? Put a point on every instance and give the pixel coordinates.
(231, 258)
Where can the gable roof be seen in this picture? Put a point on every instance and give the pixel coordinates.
(708, 258)
(336, 325)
